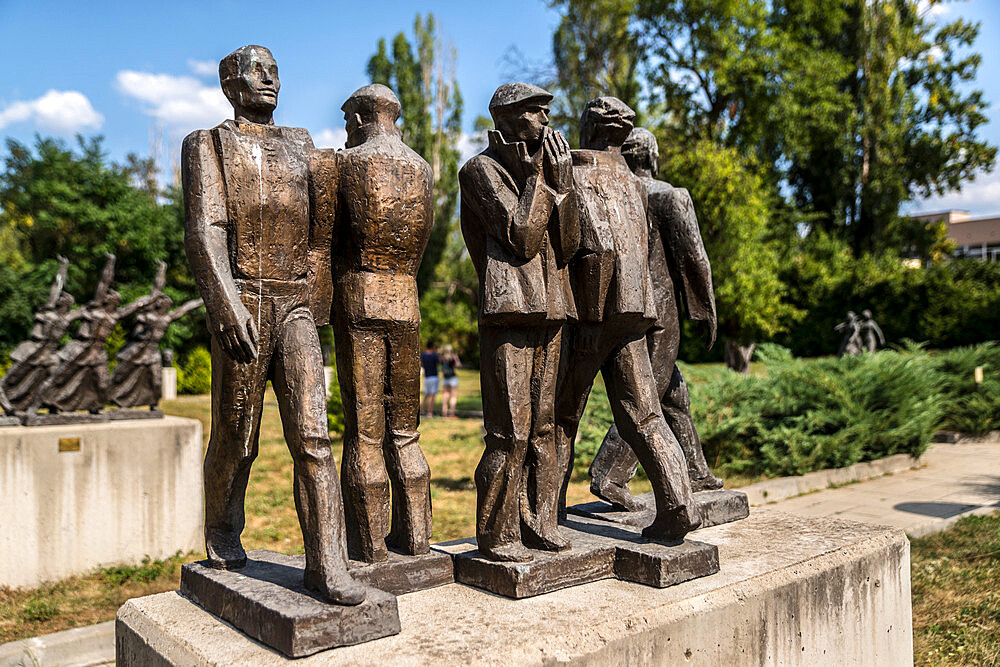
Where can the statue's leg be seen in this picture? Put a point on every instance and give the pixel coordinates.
(676, 405)
(628, 376)
(237, 401)
(614, 465)
(361, 366)
(577, 372)
(299, 386)
(505, 363)
(544, 478)
(408, 470)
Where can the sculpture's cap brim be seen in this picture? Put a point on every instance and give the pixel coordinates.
(512, 94)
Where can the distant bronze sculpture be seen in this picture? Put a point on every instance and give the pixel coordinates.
(519, 220)
(871, 334)
(81, 380)
(617, 305)
(850, 345)
(36, 358)
(138, 376)
(680, 270)
(265, 284)
(384, 213)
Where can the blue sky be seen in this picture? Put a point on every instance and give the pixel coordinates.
(135, 70)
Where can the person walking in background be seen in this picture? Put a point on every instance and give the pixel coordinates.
(449, 394)
(430, 360)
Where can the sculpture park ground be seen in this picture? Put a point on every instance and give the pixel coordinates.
(953, 573)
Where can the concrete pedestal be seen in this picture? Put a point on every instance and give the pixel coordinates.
(169, 384)
(76, 497)
(790, 591)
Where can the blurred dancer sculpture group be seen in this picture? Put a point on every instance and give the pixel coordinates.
(860, 335)
(75, 376)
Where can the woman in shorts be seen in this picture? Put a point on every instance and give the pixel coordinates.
(449, 394)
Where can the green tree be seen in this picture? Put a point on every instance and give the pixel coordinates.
(58, 201)
(424, 81)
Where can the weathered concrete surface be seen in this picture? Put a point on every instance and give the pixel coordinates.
(954, 481)
(132, 489)
(80, 647)
(790, 591)
(268, 600)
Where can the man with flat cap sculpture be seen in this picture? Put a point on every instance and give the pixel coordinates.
(265, 284)
(519, 220)
(680, 271)
(383, 206)
(616, 306)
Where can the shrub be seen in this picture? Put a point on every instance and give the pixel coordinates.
(335, 403)
(195, 377)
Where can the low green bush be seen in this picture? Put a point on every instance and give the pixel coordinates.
(335, 404)
(801, 415)
(195, 376)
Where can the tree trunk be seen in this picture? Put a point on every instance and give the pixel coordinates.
(738, 355)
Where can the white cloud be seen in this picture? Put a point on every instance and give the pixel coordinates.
(979, 197)
(932, 10)
(57, 111)
(181, 102)
(470, 145)
(327, 138)
(204, 67)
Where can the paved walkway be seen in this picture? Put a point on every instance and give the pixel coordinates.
(954, 480)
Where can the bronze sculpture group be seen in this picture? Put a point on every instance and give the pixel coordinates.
(72, 381)
(582, 258)
(859, 334)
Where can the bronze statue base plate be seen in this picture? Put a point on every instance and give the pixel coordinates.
(403, 574)
(62, 418)
(10, 420)
(600, 550)
(716, 508)
(119, 414)
(267, 601)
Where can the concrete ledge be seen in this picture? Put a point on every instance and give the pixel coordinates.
(81, 496)
(773, 490)
(790, 591)
(80, 647)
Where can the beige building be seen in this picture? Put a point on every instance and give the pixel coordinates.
(977, 238)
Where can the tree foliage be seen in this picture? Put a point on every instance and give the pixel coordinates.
(423, 79)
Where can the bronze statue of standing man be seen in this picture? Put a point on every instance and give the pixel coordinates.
(248, 239)
(384, 214)
(519, 219)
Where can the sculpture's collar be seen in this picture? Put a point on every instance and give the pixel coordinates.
(512, 155)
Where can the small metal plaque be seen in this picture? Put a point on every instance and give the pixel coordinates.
(69, 444)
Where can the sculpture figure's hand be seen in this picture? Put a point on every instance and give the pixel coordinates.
(236, 332)
(586, 338)
(558, 162)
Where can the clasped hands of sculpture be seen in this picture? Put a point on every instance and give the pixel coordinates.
(283, 237)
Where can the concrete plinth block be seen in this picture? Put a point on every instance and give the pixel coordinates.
(549, 571)
(716, 508)
(80, 496)
(119, 414)
(790, 591)
(65, 418)
(403, 574)
(267, 600)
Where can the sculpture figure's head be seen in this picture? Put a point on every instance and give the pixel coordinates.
(605, 123)
(162, 303)
(249, 78)
(112, 300)
(64, 303)
(851, 316)
(867, 314)
(521, 112)
(641, 152)
(369, 111)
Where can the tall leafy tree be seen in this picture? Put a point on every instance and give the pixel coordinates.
(423, 78)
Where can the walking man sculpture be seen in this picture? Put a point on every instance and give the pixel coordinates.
(384, 219)
(247, 237)
(616, 304)
(519, 219)
(680, 269)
